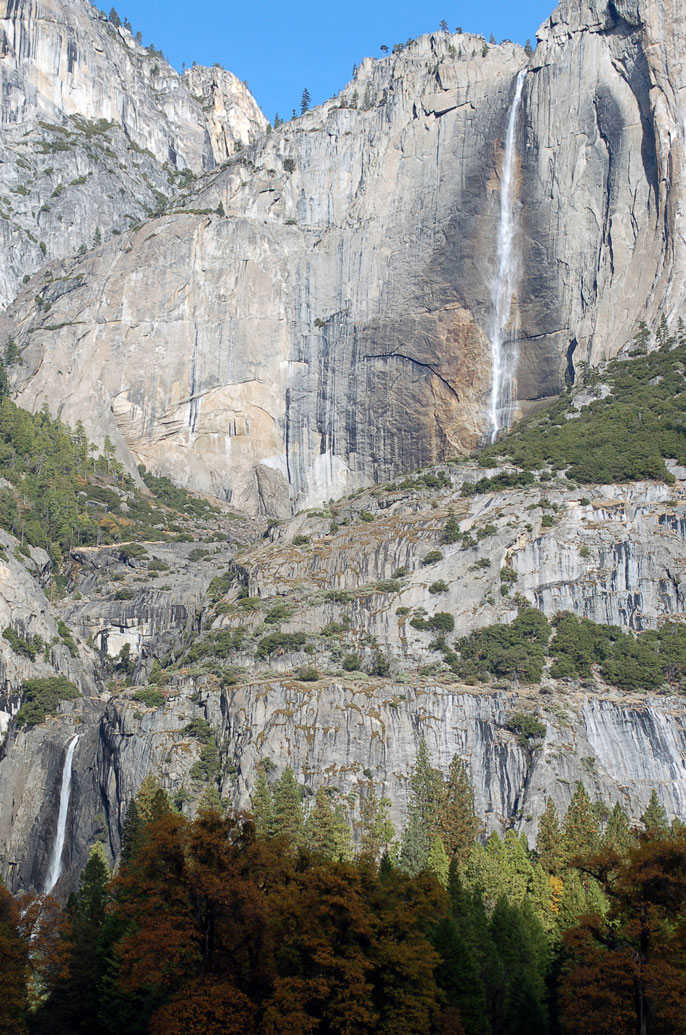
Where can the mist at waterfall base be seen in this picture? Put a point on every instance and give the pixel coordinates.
(55, 869)
(503, 282)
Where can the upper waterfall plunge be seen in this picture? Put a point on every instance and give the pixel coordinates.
(55, 870)
(503, 340)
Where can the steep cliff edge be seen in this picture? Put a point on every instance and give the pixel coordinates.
(326, 644)
(312, 316)
(332, 327)
(97, 131)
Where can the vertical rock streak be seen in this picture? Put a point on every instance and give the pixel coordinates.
(503, 340)
(55, 870)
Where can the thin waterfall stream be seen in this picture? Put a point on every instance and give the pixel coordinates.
(503, 282)
(55, 871)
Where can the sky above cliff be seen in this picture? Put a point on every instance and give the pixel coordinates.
(280, 48)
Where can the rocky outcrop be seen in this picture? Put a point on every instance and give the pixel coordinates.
(331, 328)
(232, 115)
(340, 734)
(308, 318)
(97, 132)
(614, 554)
(350, 579)
(65, 58)
(602, 171)
(26, 612)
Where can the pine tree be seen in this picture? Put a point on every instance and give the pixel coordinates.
(210, 800)
(14, 967)
(321, 828)
(459, 976)
(114, 18)
(521, 945)
(305, 101)
(618, 836)
(415, 846)
(288, 811)
(457, 820)
(262, 806)
(654, 819)
(343, 840)
(549, 840)
(573, 901)
(152, 802)
(426, 791)
(528, 49)
(517, 867)
(580, 828)
(130, 833)
(12, 354)
(438, 862)
(444, 25)
(377, 833)
(76, 998)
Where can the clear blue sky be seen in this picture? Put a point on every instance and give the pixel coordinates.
(281, 47)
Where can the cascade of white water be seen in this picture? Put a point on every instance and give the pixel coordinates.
(55, 870)
(503, 345)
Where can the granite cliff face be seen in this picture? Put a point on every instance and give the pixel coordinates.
(331, 328)
(616, 556)
(279, 323)
(97, 132)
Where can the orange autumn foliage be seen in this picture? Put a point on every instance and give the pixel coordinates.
(13, 967)
(627, 971)
(206, 1007)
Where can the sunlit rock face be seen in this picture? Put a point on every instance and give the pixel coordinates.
(277, 318)
(613, 553)
(334, 735)
(331, 327)
(96, 131)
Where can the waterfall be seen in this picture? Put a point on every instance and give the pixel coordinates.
(503, 345)
(55, 870)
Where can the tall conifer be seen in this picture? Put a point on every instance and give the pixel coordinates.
(549, 840)
(262, 805)
(458, 823)
(289, 822)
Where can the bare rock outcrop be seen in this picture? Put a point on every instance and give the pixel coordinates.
(98, 132)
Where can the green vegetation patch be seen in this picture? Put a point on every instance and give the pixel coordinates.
(281, 642)
(42, 698)
(150, 697)
(642, 662)
(63, 496)
(219, 643)
(67, 638)
(517, 650)
(624, 437)
(526, 726)
(219, 586)
(172, 496)
(441, 622)
(26, 648)
(520, 650)
(505, 480)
